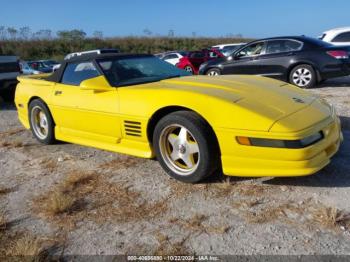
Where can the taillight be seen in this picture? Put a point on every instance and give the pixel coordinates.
(339, 54)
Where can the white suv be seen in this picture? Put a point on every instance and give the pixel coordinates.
(337, 36)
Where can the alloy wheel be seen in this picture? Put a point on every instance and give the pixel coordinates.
(213, 73)
(302, 77)
(39, 122)
(189, 69)
(179, 149)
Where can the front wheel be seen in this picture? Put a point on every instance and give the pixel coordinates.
(303, 76)
(185, 146)
(213, 72)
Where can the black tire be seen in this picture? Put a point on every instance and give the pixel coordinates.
(309, 78)
(213, 72)
(50, 136)
(208, 156)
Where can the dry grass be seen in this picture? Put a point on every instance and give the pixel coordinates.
(269, 214)
(49, 164)
(121, 162)
(16, 245)
(251, 190)
(224, 189)
(181, 190)
(76, 179)
(24, 246)
(58, 202)
(27, 245)
(196, 224)
(11, 144)
(3, 222)
(331, 217)
(5, 190)
(90, 196)
(227, 188)
(248, 203)
(12, 132)
(166, 247)
(308, 213)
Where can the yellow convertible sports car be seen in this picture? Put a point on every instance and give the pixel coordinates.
(194, 125)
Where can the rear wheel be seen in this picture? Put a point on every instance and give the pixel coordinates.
(41, 122)
(189, 69)
(213, 72)
(185, 147)
(303, 76)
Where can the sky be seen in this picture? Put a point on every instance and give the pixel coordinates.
(250, 18)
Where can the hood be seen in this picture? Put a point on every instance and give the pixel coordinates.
(259, 99)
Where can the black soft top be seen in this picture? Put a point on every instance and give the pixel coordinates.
(57, 75)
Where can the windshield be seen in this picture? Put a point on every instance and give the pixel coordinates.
(37, 65)
(137, 70)
(49, 63)
(228, 50)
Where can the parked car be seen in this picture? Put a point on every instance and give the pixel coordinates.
(49, 63)
(9, 70)
(172, 57)
(337, 36)
(39, 66)
(195, 126)
(27, 70)
(192, 61)
(77, 54)
(228, 49)
(302, 61)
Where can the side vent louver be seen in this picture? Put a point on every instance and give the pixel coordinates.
(132, 128)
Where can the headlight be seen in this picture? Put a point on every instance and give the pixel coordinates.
(276, 143)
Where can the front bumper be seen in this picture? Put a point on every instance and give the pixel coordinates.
(250, 161)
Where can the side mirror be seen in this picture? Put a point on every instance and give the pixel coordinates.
(98, 84)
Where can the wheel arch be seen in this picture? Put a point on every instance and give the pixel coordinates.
(160, 113)
(309, 63)
(42, 100)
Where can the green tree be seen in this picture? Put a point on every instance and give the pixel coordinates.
(71, 35)
(98, 34)
(12, 32)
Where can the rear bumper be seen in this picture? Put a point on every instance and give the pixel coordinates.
(240, 160)
(336, 70)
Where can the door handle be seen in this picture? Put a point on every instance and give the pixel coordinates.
(58, 92)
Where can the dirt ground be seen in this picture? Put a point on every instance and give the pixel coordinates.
(72, 200)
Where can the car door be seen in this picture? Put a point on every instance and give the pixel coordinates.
(278, 56)
(196, 59)
(85, 114)
(246, 60)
